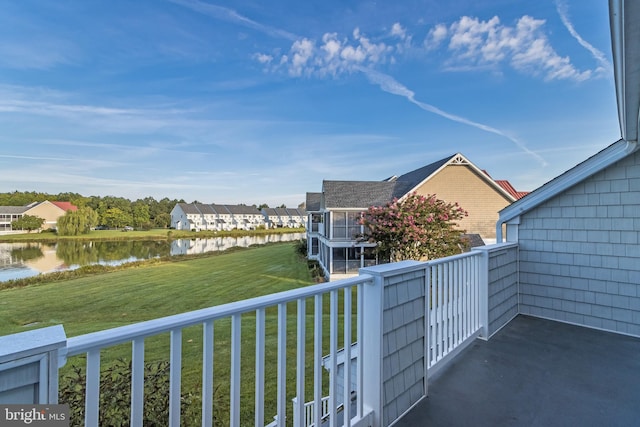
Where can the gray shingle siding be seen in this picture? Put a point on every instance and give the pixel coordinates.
(403, 342)
(580, 253)
(503, 287)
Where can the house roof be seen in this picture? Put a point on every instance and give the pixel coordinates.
(281, 211)
(213, 209)
(66, 206)
(189, 209)
(419, 176)
(313, 202)
(14, 209)
(361, 194)
(243, 210)
(204, 209)
(296, 212)
(616, 151)
(625, 39)
(509, 188)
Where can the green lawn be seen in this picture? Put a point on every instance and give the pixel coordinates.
(146, 292)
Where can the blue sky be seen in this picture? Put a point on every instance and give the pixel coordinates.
(258, 102)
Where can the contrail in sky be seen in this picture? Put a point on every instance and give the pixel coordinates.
(384, 81)
(230, 15)
(390, 85)
(563, 11)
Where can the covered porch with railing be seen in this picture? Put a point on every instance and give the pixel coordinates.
(409, 320)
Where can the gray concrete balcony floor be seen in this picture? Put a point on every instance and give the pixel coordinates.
(537, 372)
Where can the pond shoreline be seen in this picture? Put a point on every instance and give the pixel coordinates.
(97, 269)
(154, 234)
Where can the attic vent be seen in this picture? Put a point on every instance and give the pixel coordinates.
(459, 160)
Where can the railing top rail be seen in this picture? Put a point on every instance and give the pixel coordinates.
(109, 337)
(452, 258)
(496, 246)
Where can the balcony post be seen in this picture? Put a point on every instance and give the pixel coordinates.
(29, 363)
(483, 284)
(372, 303)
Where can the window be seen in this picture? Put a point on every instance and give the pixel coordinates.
(346, 260)
(346, 225)
(316, 219)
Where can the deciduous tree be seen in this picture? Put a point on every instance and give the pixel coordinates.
(415, 227)
(27, 222)
(77, 222)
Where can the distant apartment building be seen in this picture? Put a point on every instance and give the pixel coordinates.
(213, 217)
(285, 217)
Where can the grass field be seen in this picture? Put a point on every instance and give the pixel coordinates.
(117, 298)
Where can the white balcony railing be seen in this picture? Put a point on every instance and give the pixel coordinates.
(309, 409)
(92, 344)
(454, 285)
(438, 305)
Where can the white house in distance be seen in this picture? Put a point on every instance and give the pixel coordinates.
(203, 217)
(285, 217)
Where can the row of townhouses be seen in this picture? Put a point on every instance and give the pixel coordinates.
(49, 211)
(334, 213)
(203, 217)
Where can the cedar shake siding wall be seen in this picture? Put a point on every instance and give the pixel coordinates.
(580, 252)
(459, 183)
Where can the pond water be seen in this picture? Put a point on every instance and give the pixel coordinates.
(20, 260)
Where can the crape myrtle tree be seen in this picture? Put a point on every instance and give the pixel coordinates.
(416, 227)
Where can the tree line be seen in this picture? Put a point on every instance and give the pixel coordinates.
(108, 211)
(96, 211)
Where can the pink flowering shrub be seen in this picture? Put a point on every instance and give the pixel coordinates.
(416, 227)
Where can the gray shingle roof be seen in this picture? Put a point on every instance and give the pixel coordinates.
(415, 177)
(243, 210)
(14, 209)
(361, 194)
(189, 208)
(281, 212)
(205, 209)
(296, 212)
(313, 201)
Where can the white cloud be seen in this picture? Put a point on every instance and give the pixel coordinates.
(525, 46)
(263, 58)
(398, 31)
(301, 52)
(436, 36)
(332, 56)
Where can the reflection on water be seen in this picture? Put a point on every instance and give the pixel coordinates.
(20, 260)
